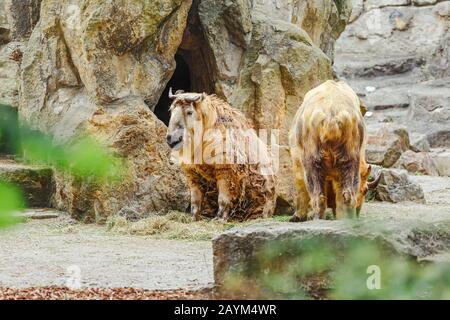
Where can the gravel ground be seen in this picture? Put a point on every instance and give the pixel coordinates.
(53, 252)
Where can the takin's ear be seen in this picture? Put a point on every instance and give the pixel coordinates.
(362, 107)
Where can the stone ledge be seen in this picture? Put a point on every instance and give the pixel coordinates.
(421, 237)
(36, 182)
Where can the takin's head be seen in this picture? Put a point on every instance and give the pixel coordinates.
(185, 117)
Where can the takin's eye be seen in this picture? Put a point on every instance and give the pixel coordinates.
(190, 113)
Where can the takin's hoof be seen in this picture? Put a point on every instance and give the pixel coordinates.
(297, 219)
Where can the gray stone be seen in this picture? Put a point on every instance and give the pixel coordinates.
(395, 186)
(418, 236)
(40, 214)
(417, 163)
(9, 71)
(387, 145)
(429, 111)
(419, 142)
(441, 158)
(439, 139)
(357, 10)
(22, 16)
(443, 9)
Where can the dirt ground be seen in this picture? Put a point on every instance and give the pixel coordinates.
(51, 252)
(48, 252)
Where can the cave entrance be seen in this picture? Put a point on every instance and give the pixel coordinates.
(181, 80)
(194, 71)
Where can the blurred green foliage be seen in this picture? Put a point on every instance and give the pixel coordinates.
(9, 130)
(332, 269)
(84, 158)
(11, 200)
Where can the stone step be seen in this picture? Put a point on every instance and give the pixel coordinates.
(40, 214)
(36, 182)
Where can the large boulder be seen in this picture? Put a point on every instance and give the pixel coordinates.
(385, 146)
(441, 158)
(420, 236)
(417, 163)
(419, 143)
(395, 186)
(89, 67)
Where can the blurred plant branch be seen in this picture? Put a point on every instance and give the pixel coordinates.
(84, 158)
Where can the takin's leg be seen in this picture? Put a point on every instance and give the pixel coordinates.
(303, 207)
(339, 202)
(349, 186)
(303, 202)
(316, 184)
(197, 195)
(228, 193)
(196, 202)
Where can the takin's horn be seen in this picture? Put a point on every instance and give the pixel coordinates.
(374, 184)
(193, 98)
(171, 95)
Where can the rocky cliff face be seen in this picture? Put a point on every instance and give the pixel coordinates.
(17, 20)
(102, 67)
(395, 53)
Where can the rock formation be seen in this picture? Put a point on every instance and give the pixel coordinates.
(395, 54)
(101, 68)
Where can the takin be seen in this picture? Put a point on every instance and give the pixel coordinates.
(229, 169)
(327, 142)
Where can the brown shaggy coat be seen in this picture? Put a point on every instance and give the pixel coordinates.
(237, 189)
(327, 140)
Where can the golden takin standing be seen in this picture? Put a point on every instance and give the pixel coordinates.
(229, 169)
(328, 141)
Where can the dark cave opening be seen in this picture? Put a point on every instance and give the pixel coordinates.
(194, 65)
(181, 80)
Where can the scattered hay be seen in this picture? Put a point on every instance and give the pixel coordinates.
(175, 225)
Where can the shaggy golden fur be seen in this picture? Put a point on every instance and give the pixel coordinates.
(327, 140)
(238, 188)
